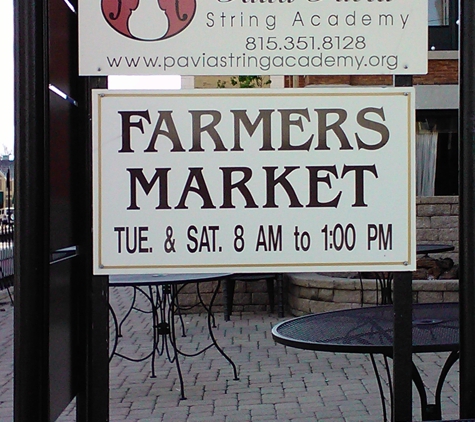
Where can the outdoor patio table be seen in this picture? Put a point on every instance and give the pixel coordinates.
(426, 249)
(435, 328)
(161, 291)
(385, 279)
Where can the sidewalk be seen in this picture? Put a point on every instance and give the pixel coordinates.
(276, 383)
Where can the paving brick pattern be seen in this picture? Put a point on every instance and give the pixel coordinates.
(275, 383)
(6, 358)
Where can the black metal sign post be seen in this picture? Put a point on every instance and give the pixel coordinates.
(402, 348)
(61, 310)
(93, 387)
(31, 253)
(467, 209)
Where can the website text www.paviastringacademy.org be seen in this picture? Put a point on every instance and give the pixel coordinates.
(264, 62)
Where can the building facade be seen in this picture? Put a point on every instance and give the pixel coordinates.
(7, 175)
(436, 101)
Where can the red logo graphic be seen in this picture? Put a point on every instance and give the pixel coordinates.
(148, 20)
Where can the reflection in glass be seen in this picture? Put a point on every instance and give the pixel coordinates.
(438, 12)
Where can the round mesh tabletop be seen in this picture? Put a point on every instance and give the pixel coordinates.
(435, 328)
(433, 248)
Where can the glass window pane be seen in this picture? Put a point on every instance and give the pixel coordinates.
(438, 12)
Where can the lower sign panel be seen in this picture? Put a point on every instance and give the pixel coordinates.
(254, 180)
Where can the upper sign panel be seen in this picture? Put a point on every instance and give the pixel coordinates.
(231, 37)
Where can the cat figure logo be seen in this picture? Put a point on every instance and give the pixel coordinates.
(148, 20)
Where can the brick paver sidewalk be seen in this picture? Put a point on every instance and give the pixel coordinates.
(276, 383)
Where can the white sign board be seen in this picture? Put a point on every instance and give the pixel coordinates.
(254, 180)
(244, 37)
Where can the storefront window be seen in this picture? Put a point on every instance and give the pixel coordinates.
(443, 26)
(438, 13)
(441, 127)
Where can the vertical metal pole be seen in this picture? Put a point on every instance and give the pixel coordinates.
(31, 388)
(93, 391)
(402, 347)
(9, 202)
(467, 209)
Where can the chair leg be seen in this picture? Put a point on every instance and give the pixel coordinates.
(279, 279)
(270, 292)
(228, 293)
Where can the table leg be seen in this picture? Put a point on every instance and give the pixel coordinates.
(203, 304)
(429, 411)
(116, 331)
(211, 334)
(179, 309)
(211, 325)
(380, 387)
(10, 295)
(433, 411)
(165, 328)
(172, 336)
(119, 326)
(164, 308)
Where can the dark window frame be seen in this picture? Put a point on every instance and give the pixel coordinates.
(447, 167)
(445, 37)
